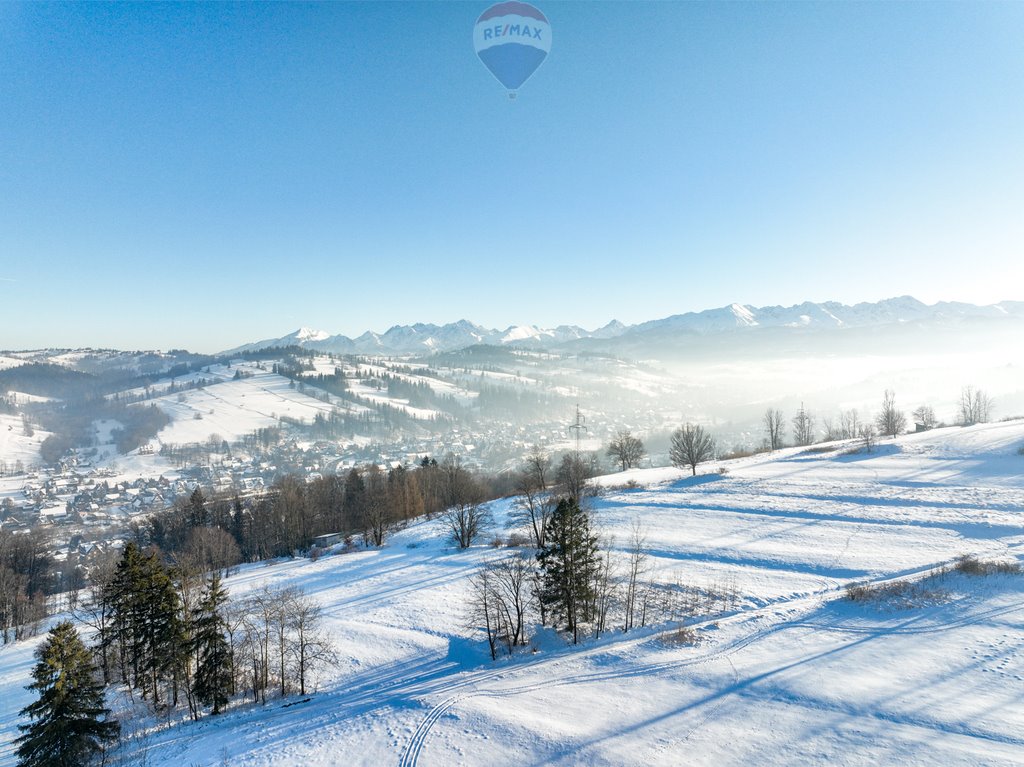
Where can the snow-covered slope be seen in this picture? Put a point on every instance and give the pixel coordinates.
(789, 673)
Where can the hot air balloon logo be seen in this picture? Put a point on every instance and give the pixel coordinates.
(512, 39)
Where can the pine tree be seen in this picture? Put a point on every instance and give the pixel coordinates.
(214, 672)
(569, 564)
(70, 723)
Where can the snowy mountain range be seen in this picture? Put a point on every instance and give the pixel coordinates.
(426, 338)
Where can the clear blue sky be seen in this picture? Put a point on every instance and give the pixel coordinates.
(203, 175)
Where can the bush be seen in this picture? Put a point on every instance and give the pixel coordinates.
(517, 540)
(971, 565)
(901, 594)
(682, 634)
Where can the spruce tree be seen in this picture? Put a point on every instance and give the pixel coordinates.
(70, 723)
(161, 626)
(569, 564)
(214, 672)
(146, 620)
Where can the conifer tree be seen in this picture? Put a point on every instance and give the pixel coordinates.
(69, 724)
(569, 563)
(146, 621)
(214, 670)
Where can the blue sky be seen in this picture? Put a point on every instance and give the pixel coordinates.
(203, 175)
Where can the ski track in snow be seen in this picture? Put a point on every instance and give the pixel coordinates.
(414, 749)
(794, 661)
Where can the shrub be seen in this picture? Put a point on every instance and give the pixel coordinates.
(682, 634)
(971, 565)
(517, 540)
(901, 594)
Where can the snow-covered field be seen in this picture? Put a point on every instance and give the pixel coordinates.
(15, 446)
(234, 408)
(794, 674)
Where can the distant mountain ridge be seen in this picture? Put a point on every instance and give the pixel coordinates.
(423, 338)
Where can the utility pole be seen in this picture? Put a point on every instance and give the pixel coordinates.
(578, 427)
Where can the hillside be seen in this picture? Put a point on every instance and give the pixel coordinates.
(785, 671)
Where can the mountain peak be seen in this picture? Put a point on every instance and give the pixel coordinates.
(425, 338)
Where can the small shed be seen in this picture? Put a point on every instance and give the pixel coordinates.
(327, 540)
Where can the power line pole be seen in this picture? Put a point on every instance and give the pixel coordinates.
(578, 427)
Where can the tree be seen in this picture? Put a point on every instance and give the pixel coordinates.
(499, 600)
(830, 431)
(310, 646)
(690, 446)
(464, 512)
(214, 662)
(803, 427)
(924, 417)
(626, 450)
(568, 566)
(211, 548)
(772, 420)
(146, 621)
(354, 504)
(484, 607)
(378, 511)
(975, 406)
(891, 421)
(636, 568)
(198, 514)
(572, 475)
(538, 466)
(533, 505)
(867, 436)
(849, 424)
(70, 724)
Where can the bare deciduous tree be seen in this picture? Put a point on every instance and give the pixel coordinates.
(483, 608)
(849, 424)
(538, 466)
(572, 475)
(605, 590)
(975, 406)
(772, 421)
(691, 445)
(511, 584)
(891, 421)
(867, 436)
(533, 506)
(211, 548)
(924, 417)
(830, 430)
(803, 427)
(310, 648)
(636, 567)
(464, 514)
(626, 450)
